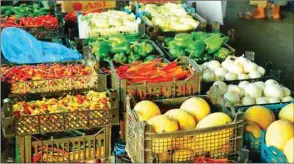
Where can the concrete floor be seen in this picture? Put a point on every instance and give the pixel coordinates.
(270, 40)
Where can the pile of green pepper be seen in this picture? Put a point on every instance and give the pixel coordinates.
(199, 46)
(24, 10)
(121, 50)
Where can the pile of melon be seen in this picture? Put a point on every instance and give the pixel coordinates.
(194, 113)
(233, 68)
(279, 133)
(246, 93)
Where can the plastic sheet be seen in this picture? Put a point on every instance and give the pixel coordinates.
(18, 46)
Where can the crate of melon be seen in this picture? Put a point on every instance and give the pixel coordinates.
(52, 77)
(39, 114)
(156, 79)
(182, 130)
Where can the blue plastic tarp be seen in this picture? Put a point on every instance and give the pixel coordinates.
(19, 46)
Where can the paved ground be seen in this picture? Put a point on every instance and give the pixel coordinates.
(271, 40)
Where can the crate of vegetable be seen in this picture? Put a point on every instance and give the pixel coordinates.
(123, 50)
(156, 78)
(52, 77)
(43, 23)
(67, 147)
(77, 110)
(199, 46)
(176, 131)
(107, 23)
(169, 18)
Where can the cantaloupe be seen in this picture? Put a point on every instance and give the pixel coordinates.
(196, 106)
(287, 112)
(146, 110)
(260, 115)
(184, 119)
(289, 150)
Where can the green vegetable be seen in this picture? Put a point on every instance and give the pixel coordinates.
(213, 43)
(120, 58)
(101, 50)
(149, 58)
(116, 39)
(183, 40)
(168, 39)
(198, 35)
(143, 49)
(171, 44)
(123, 47)
(133, 58)
(176, 52)
(206, 57)
(196, 49)
(222, 53)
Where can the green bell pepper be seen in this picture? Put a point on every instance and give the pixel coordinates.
(213, 43)
(123, 47)
(167, 40)
(149, 58)
(101, 50)
(198, 35)
(196, 49)
(120, 58)
(116, 39)
(183, 40)
(143, 49)
(206, 57)
(222, 53)
(133, 57)
(176, 52)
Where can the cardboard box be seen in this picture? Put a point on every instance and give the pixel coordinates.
(70, 6)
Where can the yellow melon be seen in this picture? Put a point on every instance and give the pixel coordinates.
(262, 116)
(253, 128)
(289, 150)
(278, 133)
(184, 119)
(287, 112)
(146, 110)
(197, 106)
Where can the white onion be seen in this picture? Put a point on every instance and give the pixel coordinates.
(253, 90)
(220, 71)
(235, 68)
(225, 64)
(203, 67)
(208, 76)
(219, 78)
(213, 64)
(243, 76)
(273, 90)
(243, 84)
(287, 99)
(254, 74)
(262, 100)
(222, 86)
(261, 70)
(231, 76)
(241, 60)
(248, 100)
(271, 81)
(236, 89)
(273, 100)
(250, 67)
(287, 91)
(232, 97)
(260, 84)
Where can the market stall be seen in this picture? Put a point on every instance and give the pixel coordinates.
(136, 82)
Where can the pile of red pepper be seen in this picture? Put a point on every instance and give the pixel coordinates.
(44, 20)
(43, 71)
(210, 160)
(152, 72)
(72, 16)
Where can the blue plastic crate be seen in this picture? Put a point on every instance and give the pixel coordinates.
(271, 154)
(119, 149)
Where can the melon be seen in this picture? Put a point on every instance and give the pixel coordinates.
(287, 112)
(162, 124)
(262, 116)
(278, 133)
(196, 106)
(184, 119)
(289, 150)
(146, 110)
(253, 128)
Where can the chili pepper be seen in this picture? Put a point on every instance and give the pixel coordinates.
(196, 49)
(123, 47)
(183, 40)
(144, 66)
(213, 43)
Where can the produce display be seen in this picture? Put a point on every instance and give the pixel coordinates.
(193, 114)
(152, 72)
(72, 16)
(107, 23)
(259, 92)
(119, 49)
(24, 10)
(90, 101)
(233, 68)
(279, 133)
(199, 46)
(48, 77)
(40, 21)
(168, 17)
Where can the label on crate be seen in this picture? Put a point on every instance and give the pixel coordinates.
(70, 6)
(159, 1)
